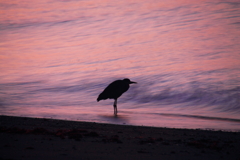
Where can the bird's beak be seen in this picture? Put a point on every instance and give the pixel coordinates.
(132, 82)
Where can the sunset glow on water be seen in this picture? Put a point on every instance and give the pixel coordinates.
(56, 57)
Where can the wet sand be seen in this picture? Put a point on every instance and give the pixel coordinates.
(38, 138)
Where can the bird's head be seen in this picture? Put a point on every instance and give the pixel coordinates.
(128, 81)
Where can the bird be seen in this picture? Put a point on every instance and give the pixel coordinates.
(114, 90)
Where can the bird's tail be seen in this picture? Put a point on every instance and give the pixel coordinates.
(98, 99)
(101, 97)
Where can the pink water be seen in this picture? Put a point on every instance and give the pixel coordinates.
(57, 56)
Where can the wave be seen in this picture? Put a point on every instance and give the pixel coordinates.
(223, 99)
(198, 117)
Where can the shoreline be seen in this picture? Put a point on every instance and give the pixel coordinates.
(38, 138)
(119, 124)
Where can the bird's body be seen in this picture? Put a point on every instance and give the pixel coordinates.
(114, 91)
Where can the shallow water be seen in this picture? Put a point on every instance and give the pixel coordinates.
(57, 56)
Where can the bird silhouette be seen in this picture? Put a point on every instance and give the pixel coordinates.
(114, 90)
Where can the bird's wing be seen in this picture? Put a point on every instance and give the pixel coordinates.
(114, 90)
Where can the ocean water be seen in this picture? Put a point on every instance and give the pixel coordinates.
(57, 56)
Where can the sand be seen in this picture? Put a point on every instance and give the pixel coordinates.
(48, 139)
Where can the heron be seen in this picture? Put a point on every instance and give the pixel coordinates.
(114, 90)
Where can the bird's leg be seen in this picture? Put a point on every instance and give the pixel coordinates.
(115, 107)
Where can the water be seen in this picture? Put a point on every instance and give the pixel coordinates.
(57, 56)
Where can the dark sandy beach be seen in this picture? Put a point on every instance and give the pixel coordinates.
(36, 138)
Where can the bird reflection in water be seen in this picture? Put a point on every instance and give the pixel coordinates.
(116, 119)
